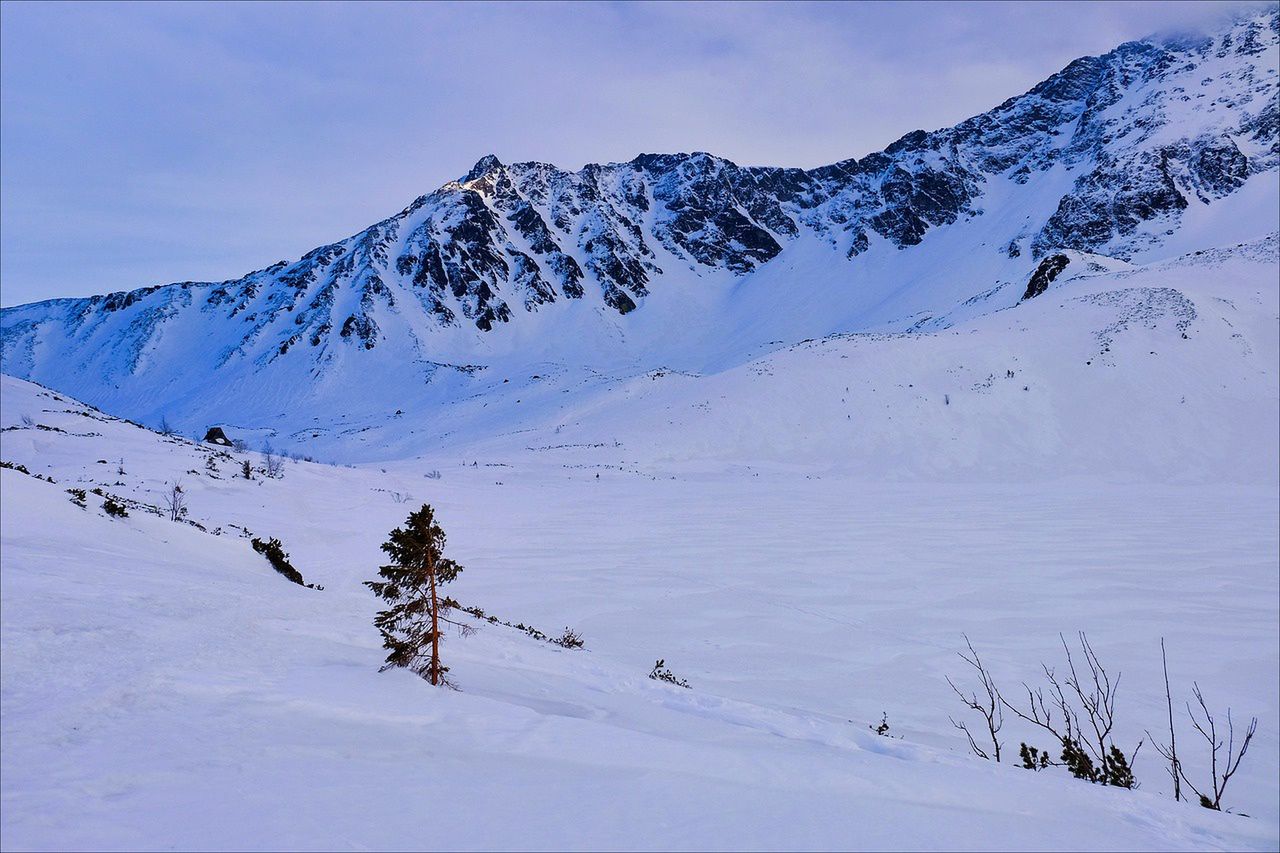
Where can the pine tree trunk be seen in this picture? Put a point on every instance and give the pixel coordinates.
(434, 670)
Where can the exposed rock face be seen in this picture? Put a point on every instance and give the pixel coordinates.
(1125, 143)
(1045, 274)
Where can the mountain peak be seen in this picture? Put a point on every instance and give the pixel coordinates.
(1103, 157)
(486, 164)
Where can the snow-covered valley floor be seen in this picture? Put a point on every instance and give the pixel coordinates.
(163, 688)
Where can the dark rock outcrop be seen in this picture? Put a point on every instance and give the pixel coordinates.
(1048, 270)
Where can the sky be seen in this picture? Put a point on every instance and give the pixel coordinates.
(144, 143)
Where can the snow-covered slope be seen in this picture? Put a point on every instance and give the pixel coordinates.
(1167, 372)
(1160, 372)
(692, 262)
(795, 432)
(163, 688)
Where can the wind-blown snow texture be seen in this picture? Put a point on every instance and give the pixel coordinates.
(689, 261)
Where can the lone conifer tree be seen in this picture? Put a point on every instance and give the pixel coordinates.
(411, 625)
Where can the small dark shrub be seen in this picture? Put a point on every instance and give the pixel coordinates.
(662, 673)
(78, 497)
(1116, 769)
(570, 639)
(1076, 760)
(246, 470)
(114, 508)
(279, 560)
(1033, 759)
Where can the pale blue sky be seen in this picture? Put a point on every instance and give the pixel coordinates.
(147, 143)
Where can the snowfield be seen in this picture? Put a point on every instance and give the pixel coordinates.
(807, 538)
(799, 434)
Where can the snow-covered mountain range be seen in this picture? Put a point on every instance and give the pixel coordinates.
(691, 262)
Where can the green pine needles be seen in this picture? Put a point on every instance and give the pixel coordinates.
(410, 584)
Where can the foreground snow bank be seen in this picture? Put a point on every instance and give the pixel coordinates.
(162, 687)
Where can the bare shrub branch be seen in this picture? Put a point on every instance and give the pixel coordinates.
(1085, 717)
(988, 705)
(272, 465)
(1208, 730)
(1169, 752)
(175, 502)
